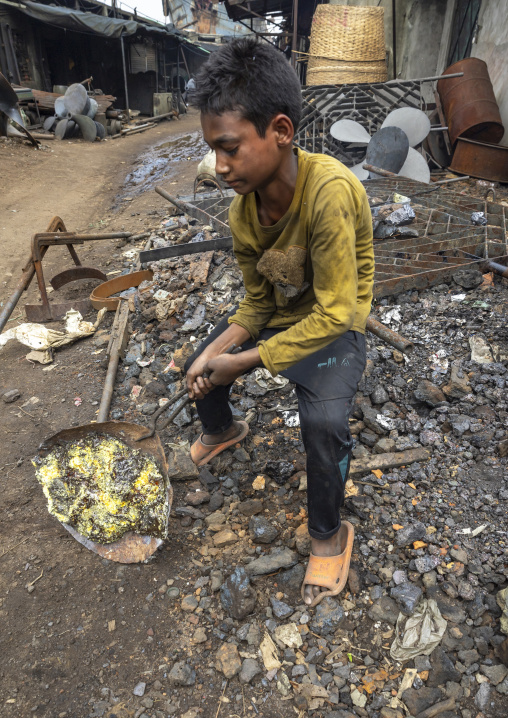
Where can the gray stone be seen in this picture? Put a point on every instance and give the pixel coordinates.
(250, 669)
(459, 385)
(482, 697)
(11, 395)
(291, 580)
(280, 609)
(399, 577)
(468, 657)
(495, 674)
(278, 558)
(460, 424)
(424, 564)
(379, 395)
(442, 669)
(139, 689)
(250, 507)
(262, 530)
(182, 674)
(216, 501)
(149, 408)
(181, 466)
(421, 699)
(384, 610)
(329, 615)
(376, 421)
(241, 455)
(429, 393)
(409, 534)
(408, 596)
(237, 595)
(458, 554)
(467, 278)
(133, 354)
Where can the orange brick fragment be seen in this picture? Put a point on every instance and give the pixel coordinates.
(377, 472)
(397, 527)
(419, 544)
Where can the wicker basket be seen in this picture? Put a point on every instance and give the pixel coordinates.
(347, 44)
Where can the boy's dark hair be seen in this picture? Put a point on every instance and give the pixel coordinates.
(253, 78)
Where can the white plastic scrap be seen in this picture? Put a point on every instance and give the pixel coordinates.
(266, 381)
(473, 532)
(391, 315)
(291, 418)
(43, 340)
(421, 633)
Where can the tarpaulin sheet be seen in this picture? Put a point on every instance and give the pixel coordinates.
(86, 21)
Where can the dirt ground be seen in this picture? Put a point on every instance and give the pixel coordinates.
(58, 655)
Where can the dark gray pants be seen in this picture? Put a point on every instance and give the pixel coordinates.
(326, 383)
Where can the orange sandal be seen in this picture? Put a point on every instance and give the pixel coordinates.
(329, 572)
(201, 453)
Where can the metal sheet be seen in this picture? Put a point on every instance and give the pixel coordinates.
(74, 274)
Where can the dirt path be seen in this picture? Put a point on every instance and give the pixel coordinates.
(80, 183)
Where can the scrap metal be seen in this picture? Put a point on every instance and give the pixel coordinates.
(446, 242)
(56, 234)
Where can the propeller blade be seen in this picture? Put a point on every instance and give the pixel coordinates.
(75, 99)
(415, 167)
(49, 123)
(87, 127)
(360, 172)
(387, 149)
(413, 122)
(349, 131)
(92, 111)
(61, 129)
(61, 110)
(101, 130)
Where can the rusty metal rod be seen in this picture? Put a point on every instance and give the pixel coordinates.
(386, 173)
(180, 204)
(109, 385)
(10, 304)
(157, 118)
(389, 336)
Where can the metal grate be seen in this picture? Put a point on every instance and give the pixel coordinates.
(368, 104)
(446, 237)
(446, 240)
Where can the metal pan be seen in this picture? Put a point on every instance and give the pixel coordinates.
(132, 547)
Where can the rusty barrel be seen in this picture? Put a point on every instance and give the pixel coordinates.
(480, 159)
(469, 103)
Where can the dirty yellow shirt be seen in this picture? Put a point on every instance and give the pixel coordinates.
(313, 270)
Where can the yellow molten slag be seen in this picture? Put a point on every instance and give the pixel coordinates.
(103, 488)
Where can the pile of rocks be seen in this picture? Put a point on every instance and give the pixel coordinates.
(427, 531)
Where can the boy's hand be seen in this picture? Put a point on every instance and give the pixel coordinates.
(197, 384)
(220, 370)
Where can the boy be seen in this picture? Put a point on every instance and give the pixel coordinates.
(302, 235)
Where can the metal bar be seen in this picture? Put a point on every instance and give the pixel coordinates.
(389, 336)
(179, 250)
(125, 77)
(428, 79)
(117, 346)
(394, 39)
(295, 33)
(22, 285)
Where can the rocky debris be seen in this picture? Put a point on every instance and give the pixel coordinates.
(427, 502)
(11, 396)
(278, 558)
(228, 660)
(182, 674)
(237, 595)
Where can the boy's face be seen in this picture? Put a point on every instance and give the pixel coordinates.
(246, 161)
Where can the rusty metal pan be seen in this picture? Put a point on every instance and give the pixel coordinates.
(132, 547)
(101, 297)
(480, 159)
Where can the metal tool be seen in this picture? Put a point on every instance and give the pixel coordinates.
(233, 349)
(56, 234)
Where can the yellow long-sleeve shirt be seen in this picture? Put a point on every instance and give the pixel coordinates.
(313, 270)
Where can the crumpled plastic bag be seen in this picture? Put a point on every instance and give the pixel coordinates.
(502, 602)
(421, 634)
(261, 381)
(43, 340)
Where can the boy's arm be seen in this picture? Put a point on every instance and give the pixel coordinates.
(343, 266)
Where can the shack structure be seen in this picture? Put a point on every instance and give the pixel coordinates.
(45, 47)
